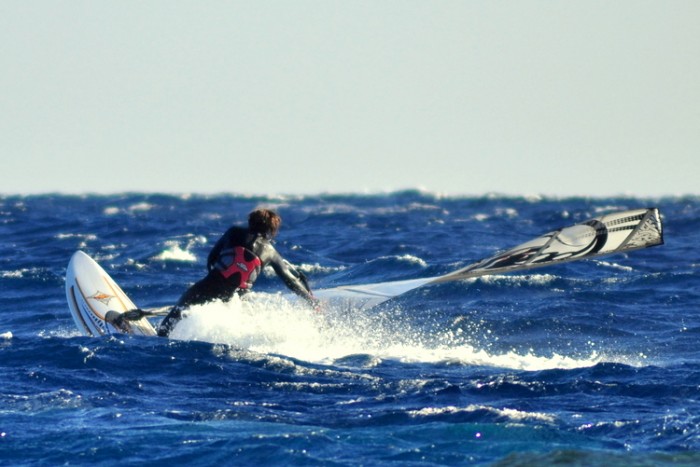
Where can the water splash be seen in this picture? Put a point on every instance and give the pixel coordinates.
(271, 324)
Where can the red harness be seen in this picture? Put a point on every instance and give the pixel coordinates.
(242, 261)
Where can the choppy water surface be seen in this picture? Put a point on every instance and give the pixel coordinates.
(593, 362)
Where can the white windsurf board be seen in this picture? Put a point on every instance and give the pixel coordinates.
(91, 293)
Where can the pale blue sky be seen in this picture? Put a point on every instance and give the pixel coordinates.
(265, 97)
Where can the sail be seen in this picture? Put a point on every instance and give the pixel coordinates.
(612, 233)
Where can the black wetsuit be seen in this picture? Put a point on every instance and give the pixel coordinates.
(234, 264)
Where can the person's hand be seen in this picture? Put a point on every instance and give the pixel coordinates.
(315, 304)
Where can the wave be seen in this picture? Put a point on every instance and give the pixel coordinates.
(512, 415)
(142, 206)
(517, 280)
(175, 252)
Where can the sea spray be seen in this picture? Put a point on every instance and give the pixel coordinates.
(271, 324)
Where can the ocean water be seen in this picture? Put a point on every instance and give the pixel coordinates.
(589, 363)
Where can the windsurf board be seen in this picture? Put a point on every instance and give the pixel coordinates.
(92, 293)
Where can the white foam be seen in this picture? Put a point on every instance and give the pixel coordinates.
(18, 274)
(140, 207)
(269, 324)
(62, 236)
(85, 238)
(306, 268)
(111, 211)
(62, 332)
(614, 265)
(517, 280)
(406, 259)
(262, 323)
(510, 414)
(175, 253)
(608, 208)
(316, 268)
(136, 207)
(510, 213)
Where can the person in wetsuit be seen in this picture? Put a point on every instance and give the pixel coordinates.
(235, 262)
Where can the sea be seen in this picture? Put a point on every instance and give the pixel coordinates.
(595, 362)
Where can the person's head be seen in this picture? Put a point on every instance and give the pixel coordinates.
(264, 222)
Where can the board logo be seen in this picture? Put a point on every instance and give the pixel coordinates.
(102, 297)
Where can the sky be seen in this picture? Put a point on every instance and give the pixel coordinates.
(591, 98)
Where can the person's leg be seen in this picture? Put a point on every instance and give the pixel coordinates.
(210, 288)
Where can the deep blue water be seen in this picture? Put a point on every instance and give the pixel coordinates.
(592, 363)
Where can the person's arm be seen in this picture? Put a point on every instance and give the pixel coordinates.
(294, 279)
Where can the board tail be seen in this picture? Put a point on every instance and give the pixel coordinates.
(612, 233)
